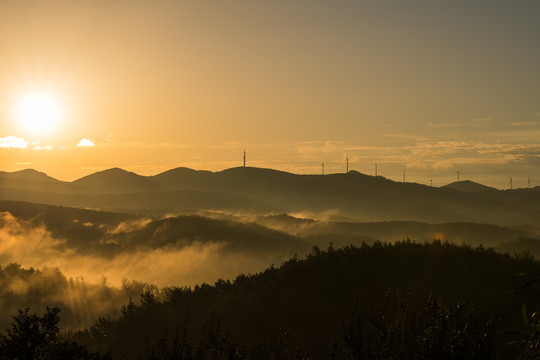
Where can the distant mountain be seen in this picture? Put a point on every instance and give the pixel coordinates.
(353, 195)
(27, 174)
(144, 203)
(117, 180)
(342, 233)
(182, 177)
(468, 186)
(34, 180)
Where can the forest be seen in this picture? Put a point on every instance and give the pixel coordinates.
(405, 300)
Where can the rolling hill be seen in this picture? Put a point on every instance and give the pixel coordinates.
(469, 186)
(353, 195)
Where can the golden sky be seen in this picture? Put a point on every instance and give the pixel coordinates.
(424, 86)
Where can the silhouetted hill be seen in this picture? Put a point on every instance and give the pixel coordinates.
(150, 202)
(33, 180)
(109, 234)
(352, 195)
(182, 178)
(117, 180)
(309, 298)
(467, 185)
(49, 214)
(27, 174)
(323, 233)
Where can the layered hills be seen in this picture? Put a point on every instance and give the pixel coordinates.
(350, 196)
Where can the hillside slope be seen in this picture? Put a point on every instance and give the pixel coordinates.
(352, 195)
(310, 298)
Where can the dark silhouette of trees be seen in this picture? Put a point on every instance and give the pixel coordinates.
(400, 330)
(32, 337)
(437, 302)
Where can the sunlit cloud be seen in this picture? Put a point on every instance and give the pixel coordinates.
(448, 125)
(525, 123)
(13, 142)
(225, 145)
(472, 123)
(85, 143)
(328, 146)
(405, 137)
(143, 145)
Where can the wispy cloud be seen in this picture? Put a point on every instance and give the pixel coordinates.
(307, 147)
(482, 119)
(36, 145)
(405, 137)
(85, 143)
(143, 145)
(448, 125)
(13, 142)
(525, 123)
(225, 145)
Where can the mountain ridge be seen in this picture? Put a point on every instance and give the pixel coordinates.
(260, 190)
(469, 186)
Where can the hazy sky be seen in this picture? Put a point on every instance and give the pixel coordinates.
(430, 87)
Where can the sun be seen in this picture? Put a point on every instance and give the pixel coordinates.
(38, 113)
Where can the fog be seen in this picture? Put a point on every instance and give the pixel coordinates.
(91, 263)
(90, 276)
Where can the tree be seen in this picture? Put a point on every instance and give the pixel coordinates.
(34, 338)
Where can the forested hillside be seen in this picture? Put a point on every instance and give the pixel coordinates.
(375, 301)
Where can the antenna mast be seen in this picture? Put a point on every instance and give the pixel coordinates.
(510, 182)
(244, 157)
(376, 172)
(322, 168)
(347, 165)
(431, 182)
(458, 175)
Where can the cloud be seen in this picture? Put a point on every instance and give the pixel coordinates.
(308, 147)
(36, 145)
(13, 142)
(448, 125)
(85, 143)
(525, 123)
(482, 119)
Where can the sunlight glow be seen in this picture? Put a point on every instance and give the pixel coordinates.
(38, 113)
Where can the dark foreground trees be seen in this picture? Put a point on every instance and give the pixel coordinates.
(459, 304)
(381, 301)
(37, 338)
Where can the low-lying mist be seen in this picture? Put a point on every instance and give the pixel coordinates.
(90, 263)
(89, 272)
